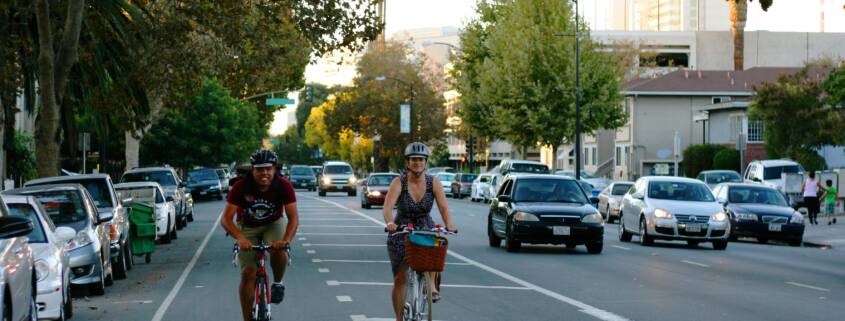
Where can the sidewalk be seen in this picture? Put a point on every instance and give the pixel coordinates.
(824, 235)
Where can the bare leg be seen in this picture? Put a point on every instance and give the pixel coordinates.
(278, 261)
(247, 291)
(399, 282)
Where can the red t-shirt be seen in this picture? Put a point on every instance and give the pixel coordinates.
(256, 208)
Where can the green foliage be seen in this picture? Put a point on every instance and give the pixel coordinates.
(292, 149)
(439, 155)
(810, 160)
(21, 158)
(303, 109)
(699, 158)
(726, 159)
(215, 128)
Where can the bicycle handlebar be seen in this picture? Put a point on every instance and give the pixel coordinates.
(436, 231)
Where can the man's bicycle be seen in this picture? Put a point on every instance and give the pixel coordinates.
(261, 307)
(425, 253)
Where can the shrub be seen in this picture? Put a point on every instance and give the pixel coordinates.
(727, 159)
(699, 157)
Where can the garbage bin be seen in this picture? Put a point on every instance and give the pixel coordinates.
(142, 230)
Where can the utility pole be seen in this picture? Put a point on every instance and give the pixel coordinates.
(578, 155)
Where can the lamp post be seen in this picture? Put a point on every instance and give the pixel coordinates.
(577, 96)
(410, 99)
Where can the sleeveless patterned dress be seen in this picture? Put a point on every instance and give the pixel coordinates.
(410, 212)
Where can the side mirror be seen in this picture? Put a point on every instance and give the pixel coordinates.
(12, 226)
(126, 202)
(722, 200)
(183, 184)
(104, 217)
(638, 195)
(64, 233)
(756, 179)
(504, 198)
(594, 200)
(169, 198)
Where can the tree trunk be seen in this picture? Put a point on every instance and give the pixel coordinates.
(133, 137)
(738, 15)
(554, 157)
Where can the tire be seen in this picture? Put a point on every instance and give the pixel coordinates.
(130, 260)
(624, 236)
(511, 244)
(595, 247)
(220, 196)
(408, 309)
(168, 237)
(147, 258)
(365, 205)
(190, 216)
(692, 243)
(321, 193)
(607, 212)
(426, 293)
(173, 235)
(352, 193)
(180, 224)
(67, 309)
(492, 239)
(262, 302)
(120, 266)
(571, 245)
(99, 288)
(645, 240)
(720, 245)
(762, 240)
(795, 242)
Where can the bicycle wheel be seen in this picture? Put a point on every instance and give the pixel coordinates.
(261, 310)
(425, 295)
(409, 310)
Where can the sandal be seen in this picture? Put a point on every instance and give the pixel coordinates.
(435, 296)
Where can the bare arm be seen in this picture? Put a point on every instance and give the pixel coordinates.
(442, 204)
(228, 224)
(293, 221)
(390, 202)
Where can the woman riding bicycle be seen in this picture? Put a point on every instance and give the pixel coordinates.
(413, 193)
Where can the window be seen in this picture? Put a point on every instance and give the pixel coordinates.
(665, 59)
(755, 130)
(618, 155)
(586, 155)
(593, 156)
(719, 100)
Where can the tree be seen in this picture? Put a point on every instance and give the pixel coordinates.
(700, 157)
(320, 93)
(292, 148)
(214, 128)
(738, 14)
(316, 134)
(727, 159)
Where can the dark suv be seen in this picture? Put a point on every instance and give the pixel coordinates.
(302, 176)
(204, 183)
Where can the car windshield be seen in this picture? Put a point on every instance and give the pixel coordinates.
(446, 177)
(165, 178)
(140, 194)
(620, 189)
(338, 169)
(530, 168)
(301, 171)
(587, 186)
(381, 180)
(584, 174)
(221, 173)
(548, 190)
(680, 191)
(27, 211)
(62, 206)
(775, 171)
(484, 179)
(317, 170)
(203, 175)
(723, 177)
(468, 178)
(755, 195)
(98, 189)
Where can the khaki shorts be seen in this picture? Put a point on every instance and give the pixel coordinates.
(268, 233)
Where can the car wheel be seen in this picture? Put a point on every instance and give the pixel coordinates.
(220, 196)
(571, 245)
(595, 247)
(511, 244)
(645, 239)
(33, 309)
(322, 193)
(67, 308)
(692, 243)
(732, 237)
(168, 237)
(352, 193)
(624, 236)
(120, 265)
(607, 212)
(794, 242)
(191, 216)
(173, 235)
(492, 239)
(762, 240)
(130, 260)
(720, 245)
(99, 288)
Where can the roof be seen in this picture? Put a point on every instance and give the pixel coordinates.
(776, 162)
(523, 161)
(137, 184)
(719, 171)
(622, 182)
(673, 179)
(51, 187)
(66, 178)
(149, 169)
(19, 198)
(544, 176)
(335, 163)
(712, 82)
(751, 185)
(384, 173)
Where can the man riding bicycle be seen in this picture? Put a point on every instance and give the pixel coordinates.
(413, 193)
(260, 200)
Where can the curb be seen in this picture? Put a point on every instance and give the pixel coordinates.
(817, 245)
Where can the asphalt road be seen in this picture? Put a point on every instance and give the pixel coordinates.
(340, 272)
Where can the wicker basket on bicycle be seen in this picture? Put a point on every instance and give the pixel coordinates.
(425, 252)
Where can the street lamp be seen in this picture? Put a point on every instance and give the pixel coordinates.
(577, 93)
(410, 98)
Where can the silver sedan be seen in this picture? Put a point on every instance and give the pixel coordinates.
(610, 199)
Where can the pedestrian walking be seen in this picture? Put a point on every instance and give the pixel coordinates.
(830, 196)
(811, 189)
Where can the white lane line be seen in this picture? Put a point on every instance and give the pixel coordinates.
(302, 239)
(344, 298)
(170, 296)
(696, 263)
(343, 245)
(323, 270)
(584, 307)
(345, 234)
(372, 261)
(342, 226)
(621, 247)
(310, 251)
(808, 286)
(358, 317)
(332, 219)
(464, 286)
(133, 302)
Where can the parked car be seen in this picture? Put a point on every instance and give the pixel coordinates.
(435, 170)
(673, 208)
(302, 176)
(375, 189)
(571, 173)
(480, 188)
(760, 212)
(462, 185)
(71, 205)
(152, 194)
(52, 264)
(17, 273)
(544, 209)
(224, 179)
(338, 177)
(204, 183)
(611, 197)
(716, 177)
(589, 188)
(446, 180)
(101, 189)
(173, 187)
(769, 172)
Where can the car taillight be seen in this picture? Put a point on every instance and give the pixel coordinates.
(112, 232)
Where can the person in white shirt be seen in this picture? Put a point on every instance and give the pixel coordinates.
(810, 190)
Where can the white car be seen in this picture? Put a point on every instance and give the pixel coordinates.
(52, 265)
(673, 208)
(480, 188)
(446, 180)
(152, 194)
(610, 199)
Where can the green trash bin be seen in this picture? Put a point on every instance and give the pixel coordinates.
(142, 228)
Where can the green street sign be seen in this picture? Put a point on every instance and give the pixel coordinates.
(278, 101)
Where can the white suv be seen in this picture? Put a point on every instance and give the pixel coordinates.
(338, 177)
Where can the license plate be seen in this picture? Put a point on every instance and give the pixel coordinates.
(560, 230)
(202, 193)
(774, 227)
(303, 184)
(692, 228)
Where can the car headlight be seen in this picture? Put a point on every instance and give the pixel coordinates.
(526, 217)
(661, 213)
(593, 218)
(352, 180)
(718, 217)
(796, 218)
(42, 270)
(746, 216)
(375, 193)
(80, 240)
(326, 180)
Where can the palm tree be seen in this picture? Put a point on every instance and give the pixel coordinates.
(738, 16)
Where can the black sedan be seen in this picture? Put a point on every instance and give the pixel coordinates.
(760, 212)
(204, 183)
(544, 209)
(303, 177)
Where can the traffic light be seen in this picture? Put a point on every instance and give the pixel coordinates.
(468, 147)
(463, 159)
(309, 93)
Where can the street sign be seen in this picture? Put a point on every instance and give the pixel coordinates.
(405, 119)
(278, 101)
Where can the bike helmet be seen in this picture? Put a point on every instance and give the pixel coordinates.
(263, 158)
(417, 149)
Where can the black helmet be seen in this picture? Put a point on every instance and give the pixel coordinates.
(417, 149)
(263, 158)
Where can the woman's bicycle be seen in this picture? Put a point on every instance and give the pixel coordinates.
(261, 307)
(425, 253)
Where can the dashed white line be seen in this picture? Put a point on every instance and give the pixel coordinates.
(463, 286)
(133, 302)
(341, 226)
(310, 251)
(807, 286)
(344, 298)
(323, 270)
(621, 247)
(696, 263)
(346, 234)
(302, 239)
(331, 219)
(373, 261)
(342, 245)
